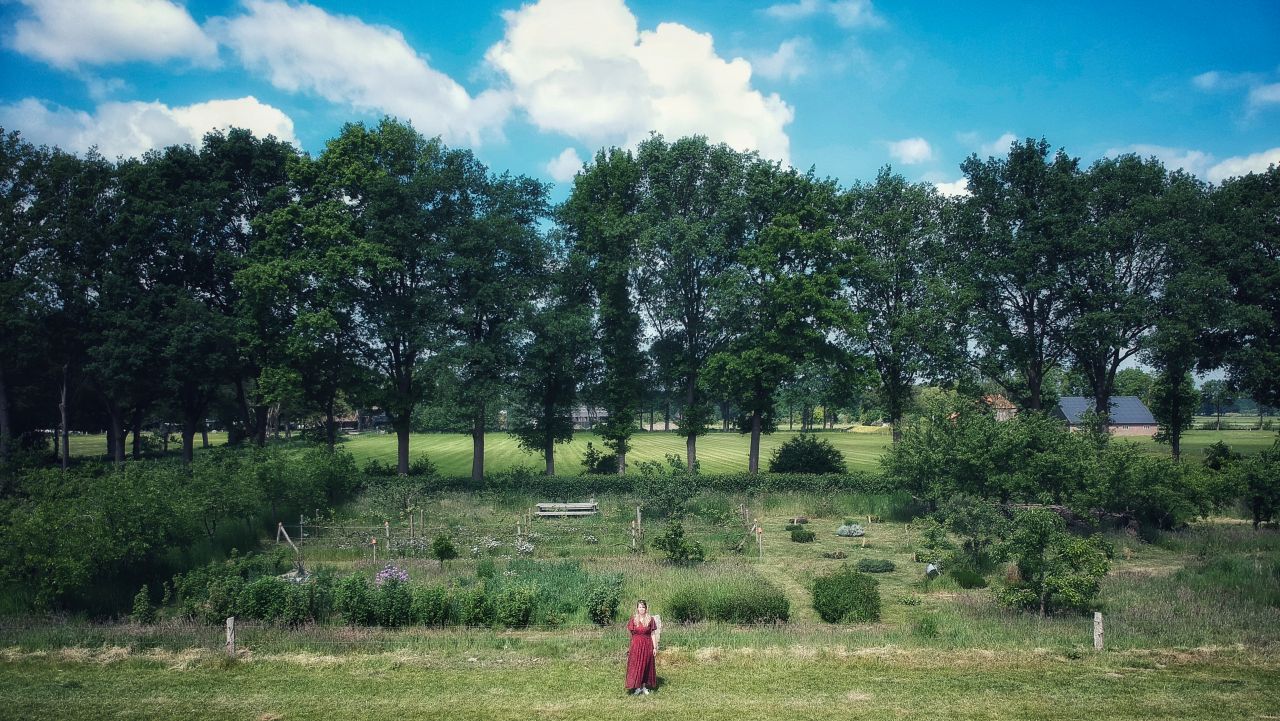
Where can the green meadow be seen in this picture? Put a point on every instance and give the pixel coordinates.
(717, 452)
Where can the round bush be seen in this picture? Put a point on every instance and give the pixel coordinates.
(800, 535)
(846, 596)
(602, 604)
(965, 578)
(807, 454)
(264, 598)
(515, 605)
(474, 608)
(875, 565)
(431, 605)
(353, 598)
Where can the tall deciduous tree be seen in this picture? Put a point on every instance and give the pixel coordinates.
(1018, 228)
(19, 276)
(1246, 250)
(553, 364)
(1115, 270)
(694, 219)
(781, 306)
(901, 307)
(496, 269)
(393, 199)
(601, 219)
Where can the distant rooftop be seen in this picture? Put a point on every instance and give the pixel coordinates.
(1125, 410)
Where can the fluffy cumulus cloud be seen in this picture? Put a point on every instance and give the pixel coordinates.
(583, 68)
(564, 166)
(1243, 165)
(69, 34)
(790, 61)
(847, 13)
(955, 188)
(1203, 164)
(911, 151)
(370, 68)
(130, 129)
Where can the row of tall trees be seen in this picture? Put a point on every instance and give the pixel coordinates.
(391, 271)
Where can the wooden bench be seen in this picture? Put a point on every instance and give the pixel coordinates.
(589, 508)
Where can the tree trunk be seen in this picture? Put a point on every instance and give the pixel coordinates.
(188, 439)
(164, 438)
(1217, 407)
(691, 441)
(666, 417)
(753, 463)
(622, 463)
(402, 447)
(117, 437)
(330, 425)
(137, 433)
(549, 453)
(477, 445)
(260, 417)
(5, 425)
(62, 412)
(204, 436)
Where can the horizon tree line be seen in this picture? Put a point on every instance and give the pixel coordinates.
(247, 280)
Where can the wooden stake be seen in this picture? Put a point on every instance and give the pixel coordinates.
(1097, 631)
(386, 526)
(231, 637)
(374, 541)
(301, 520)
(411, 525)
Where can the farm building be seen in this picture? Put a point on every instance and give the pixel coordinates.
(1129, 417)
(1001, 406)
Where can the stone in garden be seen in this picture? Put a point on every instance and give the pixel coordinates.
(799, 519)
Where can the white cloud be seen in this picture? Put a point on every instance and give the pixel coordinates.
(130, 129)
(1264, 95)
(583, 68)
(1215, 80)
(911, 151)
(1243, 165)
(370, 68)
(998, 147)
(789, 61)
(70, 33)
(564, 166)
(954, 189)
(1193, 161)
(847, 13)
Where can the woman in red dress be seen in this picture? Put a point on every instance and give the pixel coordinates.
(642, 672)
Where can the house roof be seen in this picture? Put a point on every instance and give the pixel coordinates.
(1125, 410)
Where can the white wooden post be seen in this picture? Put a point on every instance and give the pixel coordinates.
(1097, 630)
(374, 541)
(386, 527)
(639, 530)
(231, 637)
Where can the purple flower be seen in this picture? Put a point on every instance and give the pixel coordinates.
(391, 573)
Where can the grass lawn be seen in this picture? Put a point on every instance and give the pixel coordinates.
(695, 683)
(717, 452)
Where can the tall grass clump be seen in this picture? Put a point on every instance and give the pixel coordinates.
(740, 599)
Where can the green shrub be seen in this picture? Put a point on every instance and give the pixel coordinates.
(602, 603)
(966, 578)
(1057, 571)
(875, 565)
(514, 605)
(807, 453)
(354, 599)
(793, 527)
(665, 487)
(800, 535)
(687, 604)
(851, 530)
(925, 626)
(474, 608)
(264, 598)
(756, 601)
(431, 605)
(836, 554)
(144, 611)
(394, 601)
(485, 568)
(442, 549)
(678, 549)
(846, 596)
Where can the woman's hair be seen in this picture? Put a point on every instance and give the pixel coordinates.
(646, 603)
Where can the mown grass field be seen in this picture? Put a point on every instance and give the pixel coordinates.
(717, 452)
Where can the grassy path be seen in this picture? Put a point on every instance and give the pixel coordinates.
(707, 684)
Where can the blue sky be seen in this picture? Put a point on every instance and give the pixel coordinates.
(845, 86)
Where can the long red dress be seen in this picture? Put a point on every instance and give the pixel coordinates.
(641, 669)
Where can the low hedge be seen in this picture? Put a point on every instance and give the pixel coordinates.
(569, 488)
(875, 565)
(740, 600)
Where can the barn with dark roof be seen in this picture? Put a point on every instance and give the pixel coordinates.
(1129, 417)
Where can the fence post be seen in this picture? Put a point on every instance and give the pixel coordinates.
(301, 520)
(1097, 630)
(386, 527)
(374, 541)
(231, 637)
(639, 529)
(411, 525)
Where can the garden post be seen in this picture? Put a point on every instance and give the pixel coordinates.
(231, 637)
(386, 527)
(374, 541)
(1097, 630)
